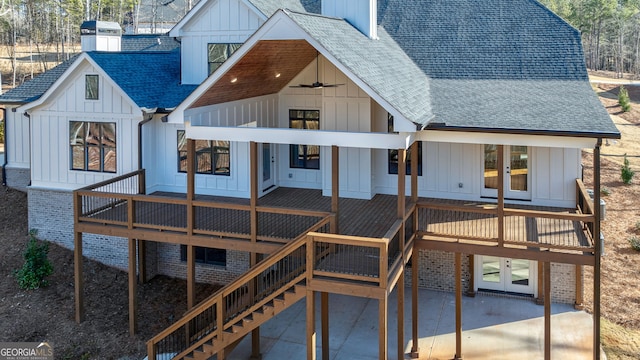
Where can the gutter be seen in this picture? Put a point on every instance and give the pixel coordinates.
(6, 161)
(146, 118)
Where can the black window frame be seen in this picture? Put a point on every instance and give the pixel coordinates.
(304, 156)
(213, 65)
(206, 255)
(213, 149)
(89, 81)
(83, 142)
(392, 159)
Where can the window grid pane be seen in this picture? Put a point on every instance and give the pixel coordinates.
(304, 156)
(212, 156)
(91, 87)
(92, 146)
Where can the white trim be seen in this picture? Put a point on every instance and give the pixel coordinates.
(296, 136)
(271, 30)
(176, 31)
(506, 139)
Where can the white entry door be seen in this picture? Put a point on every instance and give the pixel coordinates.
(504, 274)
(517, 172)
(268, 167)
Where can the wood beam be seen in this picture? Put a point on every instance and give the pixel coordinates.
(547, 310)
(78, 276)
(540, 299)
(414, 172)
(579, 304)
(598, 250)
(253, 256)
(335, 187)
(415, 260)
(402, 178)
(133, 298)
(492, 250)
(500, 167)
(324, 316)
(472, 276)
(191, 251)
(401, 316)
(458, 271)
(191, 276)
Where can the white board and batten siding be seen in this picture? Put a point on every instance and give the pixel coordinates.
(17, 144)
(220, 21)
(50, 131)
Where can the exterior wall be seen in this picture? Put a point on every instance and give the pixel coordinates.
(17, 150)
(169, 264)
(51, 213)
(563, 283)
(18, 178)
(221, 21)
(50, 132)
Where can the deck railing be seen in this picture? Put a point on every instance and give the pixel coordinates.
(584, 204)
(131, 183)
(565, 229)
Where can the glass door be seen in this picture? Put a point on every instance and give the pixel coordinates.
(268, 167)
(504, 274)
(516, 171)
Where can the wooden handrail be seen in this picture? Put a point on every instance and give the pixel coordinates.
(583, 194)
(113, 180)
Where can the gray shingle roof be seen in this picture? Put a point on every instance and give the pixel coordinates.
(381, 63)
(151, 79)
(149, 42)
(269, 7)
(34, 88)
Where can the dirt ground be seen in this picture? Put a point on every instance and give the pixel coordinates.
(48, 314)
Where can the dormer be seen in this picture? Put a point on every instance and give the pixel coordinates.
(100, 36)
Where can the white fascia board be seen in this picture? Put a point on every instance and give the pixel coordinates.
(281, 27)
(296, 136)
(506, 139)
(63, 78)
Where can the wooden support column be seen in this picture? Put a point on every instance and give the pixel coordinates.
(142, 261)
(253, 256)
(402, 166)
(400, 287)
(414, 172)
(472, 276)
(415, 350)
(191, 252)
(382, 327)
(598, 250)
(311, 325)
(458, 272)
(547, 310)
(133, 298)
(500, 167)
(78, 275)
(324, 320)
(335, 187)
(402, 178)
(579, 304)
(540, 299)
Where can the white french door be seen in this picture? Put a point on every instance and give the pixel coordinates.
(504, 274)
(268, 167)
(516, 169)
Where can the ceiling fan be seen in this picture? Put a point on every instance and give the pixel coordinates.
(317, 84)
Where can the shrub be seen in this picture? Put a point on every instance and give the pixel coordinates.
(625, 171)
(623, 99)
(36, 265)
(1, 132)
(635, 243)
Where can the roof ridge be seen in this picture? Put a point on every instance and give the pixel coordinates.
(289, 11)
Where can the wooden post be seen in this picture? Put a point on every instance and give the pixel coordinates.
(324, 320)
(132, 287)
(414, 172)
(458, 271)
(547, 310)
(415, 350)
(78, 276)
(382, 327)
(540, 299)
(472, 276)
(400, 287)
(579, 305)
(598, 250)
(253, 256)
(191, 252)
(335, 186)
(402, 172)
(311, 325)
(142, 261)
(500, 167)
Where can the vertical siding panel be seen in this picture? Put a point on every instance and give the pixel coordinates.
(556, 174)
(444, 166)
(541, 172)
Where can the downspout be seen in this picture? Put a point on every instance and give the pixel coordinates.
(26, 114)
(146, 118)
(4, 131)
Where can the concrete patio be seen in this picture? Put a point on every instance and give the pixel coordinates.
(493, 328)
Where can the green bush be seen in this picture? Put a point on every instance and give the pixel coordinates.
(623, 99)
(36, 265)
(1, 132)
(635, 243)
(625, 171)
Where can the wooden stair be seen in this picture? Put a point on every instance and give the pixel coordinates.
(238, 329)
